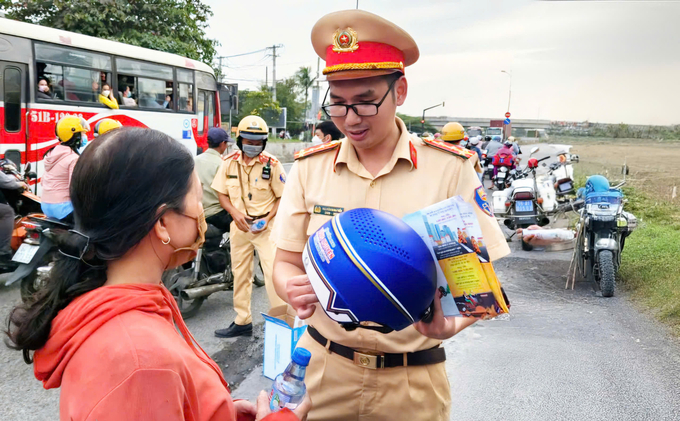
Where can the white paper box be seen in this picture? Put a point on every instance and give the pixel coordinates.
(280, 339)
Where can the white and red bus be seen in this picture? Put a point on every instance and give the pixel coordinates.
(162, 91)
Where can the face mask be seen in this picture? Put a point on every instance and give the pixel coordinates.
(252, 151)
(317, 139)
(106, 93)
(43, 88)
(185, 254)
(129, 94)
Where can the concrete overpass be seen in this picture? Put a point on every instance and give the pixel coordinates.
(439, 122)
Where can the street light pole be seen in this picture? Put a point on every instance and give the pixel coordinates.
(509, 87)
(422, 121)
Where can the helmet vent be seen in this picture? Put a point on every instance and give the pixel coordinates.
(364, 224)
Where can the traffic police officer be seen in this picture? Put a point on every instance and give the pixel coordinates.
(250, 183)
(454, 133)
(378, 165)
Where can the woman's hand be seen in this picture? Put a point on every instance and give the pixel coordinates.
(245, 410)
(301, 296)
(263, 407)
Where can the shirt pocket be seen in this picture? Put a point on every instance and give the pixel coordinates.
(233, 187)
(261, 191)
(315, 222)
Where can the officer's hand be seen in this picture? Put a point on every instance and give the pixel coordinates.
(301, 296)
(242, 221)
(442, 327)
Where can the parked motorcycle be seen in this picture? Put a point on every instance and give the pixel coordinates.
(602, 230)
(37, 253)
(208, 273)
(562, 173)
(528, 199)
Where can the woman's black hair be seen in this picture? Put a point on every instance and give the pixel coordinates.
(329, 128)
(117, 189)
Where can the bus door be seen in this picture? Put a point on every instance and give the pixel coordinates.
(13, 99)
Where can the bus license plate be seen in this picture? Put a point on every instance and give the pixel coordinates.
(25, 253)
(524, 206)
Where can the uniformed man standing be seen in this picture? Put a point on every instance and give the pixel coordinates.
(364, 374)
(250, 183)
(453, 134)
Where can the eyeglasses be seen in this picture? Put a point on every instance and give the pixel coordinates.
(361, 109)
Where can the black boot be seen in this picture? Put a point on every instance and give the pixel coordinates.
(235, 330)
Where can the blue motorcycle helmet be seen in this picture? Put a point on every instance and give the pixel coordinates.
(366, 265)
(597, 183)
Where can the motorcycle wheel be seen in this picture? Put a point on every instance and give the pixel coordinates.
(188, 308)
(607, 273)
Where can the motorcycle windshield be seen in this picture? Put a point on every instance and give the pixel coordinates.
(613, 198)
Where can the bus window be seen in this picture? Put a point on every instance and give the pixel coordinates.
(186, 76)
(150, 85)
(201, 110)
(12, 88)
(75, 75)
(210, 96)
(186, 97)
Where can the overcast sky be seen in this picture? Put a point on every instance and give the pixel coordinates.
(606, 61)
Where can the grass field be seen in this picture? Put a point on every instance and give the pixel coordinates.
(651, 258)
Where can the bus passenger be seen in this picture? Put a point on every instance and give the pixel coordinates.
(43, 89)
(107, 98)
(128, 101)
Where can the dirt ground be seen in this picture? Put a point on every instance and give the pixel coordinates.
(654, 167)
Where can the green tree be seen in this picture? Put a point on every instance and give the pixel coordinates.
(174, 26)
(413, 124)
(287, 96)
(303, 78)
(258, 103)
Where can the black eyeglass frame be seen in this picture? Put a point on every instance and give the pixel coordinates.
(353, 106)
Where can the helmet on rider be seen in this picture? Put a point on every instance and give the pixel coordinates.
(511, 139)
(453, 132)
(474, 141)
(507, 143)
(252, 128)
(496, 138)
(106, 125)
(71, 128)
(366, 265)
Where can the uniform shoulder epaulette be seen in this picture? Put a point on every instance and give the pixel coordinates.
(304, 153)
(265, 157)
(447, 147)
(234, 155)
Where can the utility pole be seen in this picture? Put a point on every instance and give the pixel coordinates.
(266, 76)
(273, 48)
(221, 72)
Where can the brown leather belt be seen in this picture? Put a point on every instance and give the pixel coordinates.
(380, 360)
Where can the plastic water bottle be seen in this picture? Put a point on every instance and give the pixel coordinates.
(258, 225)
(289, 388)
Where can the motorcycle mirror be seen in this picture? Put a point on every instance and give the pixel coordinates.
(28, 168)
(534, 149)
(574, 158)
(32, 175)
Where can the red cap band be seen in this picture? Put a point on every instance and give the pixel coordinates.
(368, 56)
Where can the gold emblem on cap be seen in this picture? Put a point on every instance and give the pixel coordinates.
(345, 40)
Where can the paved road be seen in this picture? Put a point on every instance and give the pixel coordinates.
(561, 355)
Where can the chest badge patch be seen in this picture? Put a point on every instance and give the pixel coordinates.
(481, 201)
(327, 210)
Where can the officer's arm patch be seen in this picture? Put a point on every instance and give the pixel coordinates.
(304, 153)
(452, 149)
(234, 155)
(482, 202)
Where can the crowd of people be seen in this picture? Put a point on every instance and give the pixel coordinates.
(106, 330)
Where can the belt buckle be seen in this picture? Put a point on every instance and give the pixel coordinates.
(370, 361)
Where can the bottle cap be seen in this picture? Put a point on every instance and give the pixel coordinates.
(301, 356)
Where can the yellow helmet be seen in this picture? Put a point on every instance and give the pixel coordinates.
(253, 128)
(106, 125)
(69, 126)
(453, 132)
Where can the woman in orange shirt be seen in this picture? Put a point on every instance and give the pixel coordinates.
(104, 328)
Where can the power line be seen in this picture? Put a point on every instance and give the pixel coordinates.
(245, 54)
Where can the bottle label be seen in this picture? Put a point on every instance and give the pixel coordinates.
(278, 401)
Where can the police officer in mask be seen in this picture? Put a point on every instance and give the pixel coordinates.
(249, 185)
